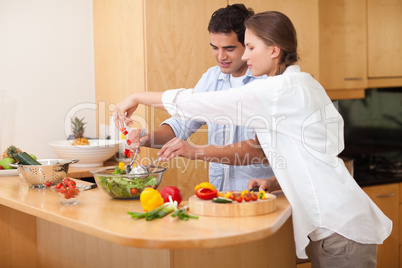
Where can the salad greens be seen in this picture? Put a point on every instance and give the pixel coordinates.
(122, 187)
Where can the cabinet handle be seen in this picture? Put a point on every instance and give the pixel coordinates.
(353, 78)
(385, 195)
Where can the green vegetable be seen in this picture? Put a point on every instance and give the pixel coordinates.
(156, 213)
(118, 170)
(221, 200)
(26, 159)
(182, 214)
(120, 187)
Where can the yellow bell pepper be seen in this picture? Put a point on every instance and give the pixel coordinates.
(121, 165)
(150, 199)
(122, 136)
(228, 194)
(205, 185)
(243, 192)
(261, 195)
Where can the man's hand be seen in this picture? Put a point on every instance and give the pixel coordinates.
(177, 147)
(136, 140)
(270, 184)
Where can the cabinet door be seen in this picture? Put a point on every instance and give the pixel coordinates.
(386, 198)
(177, 54)
(384, 38)
(304, 15)
(343, 44)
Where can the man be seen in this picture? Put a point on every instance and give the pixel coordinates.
(226, 31)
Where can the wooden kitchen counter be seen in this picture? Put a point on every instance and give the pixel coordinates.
(97, 232)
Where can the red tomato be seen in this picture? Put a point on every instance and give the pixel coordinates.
(238, 198)
(70, 183)
(58, 185)
(66, 180)
(254, 196)
(246, 197)
(134, 191)
(232, 196)
(172, 191)
(48, 184)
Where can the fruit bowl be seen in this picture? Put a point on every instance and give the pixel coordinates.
(93, 155)
(50, 171)
(127, 186)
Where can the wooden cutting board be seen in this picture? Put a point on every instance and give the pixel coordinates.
(234, 209)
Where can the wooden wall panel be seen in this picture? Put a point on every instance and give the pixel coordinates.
(177, 54)
(304, 15)
(119, 54)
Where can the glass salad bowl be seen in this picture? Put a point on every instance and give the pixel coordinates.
(127, 186)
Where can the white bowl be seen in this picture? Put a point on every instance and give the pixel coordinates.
(92, 155)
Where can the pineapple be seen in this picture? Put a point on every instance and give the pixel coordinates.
(11, 152)
(77, 127)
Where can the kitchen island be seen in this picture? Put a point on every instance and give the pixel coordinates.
(37, 231)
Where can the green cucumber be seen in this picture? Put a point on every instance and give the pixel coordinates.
(220, 199)
(25, 159)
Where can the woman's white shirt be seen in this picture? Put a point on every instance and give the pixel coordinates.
(301, 133)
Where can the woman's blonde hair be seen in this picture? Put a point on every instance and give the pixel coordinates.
(275, 28)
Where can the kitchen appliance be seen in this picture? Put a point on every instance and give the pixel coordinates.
(372, 133)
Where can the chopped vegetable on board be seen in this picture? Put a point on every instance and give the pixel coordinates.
(205, 185)
(205, 193)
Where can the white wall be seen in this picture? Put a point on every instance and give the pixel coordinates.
(46, 69)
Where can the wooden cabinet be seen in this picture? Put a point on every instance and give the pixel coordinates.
(384, 42)
(343, 49)
(153, 46)
(360, 46)
(387, 198)
(304, 15)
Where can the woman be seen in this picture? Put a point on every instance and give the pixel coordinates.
(301, 134)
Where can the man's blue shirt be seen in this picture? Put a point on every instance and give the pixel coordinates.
(223, 177)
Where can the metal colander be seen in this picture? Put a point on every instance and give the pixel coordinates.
(50, 170)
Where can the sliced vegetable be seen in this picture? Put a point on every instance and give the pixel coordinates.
(227, 195)
(183, 215)
(222, 200)
(238, 198)
(254, 196)
(261, 195)
(205, 193)
(205, 185)
(246, 197)
(121, 165)
(158, 212)
(244, 192)
(26, 159)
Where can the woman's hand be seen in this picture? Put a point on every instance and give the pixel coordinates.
(127, 107)
(124, 110)
(177, 147)
(270, 184)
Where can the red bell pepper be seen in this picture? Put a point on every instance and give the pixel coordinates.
(172, 191)
(206, 194)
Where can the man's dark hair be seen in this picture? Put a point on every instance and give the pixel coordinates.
(230, 18)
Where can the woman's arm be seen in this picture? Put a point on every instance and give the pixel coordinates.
(128, 106)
